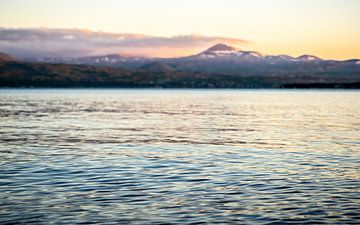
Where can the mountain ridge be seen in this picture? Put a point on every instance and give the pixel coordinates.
(220, 51)
(219, 66)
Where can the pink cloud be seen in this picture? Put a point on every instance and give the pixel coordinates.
(74, 42)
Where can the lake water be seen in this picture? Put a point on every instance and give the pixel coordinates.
(179, 156)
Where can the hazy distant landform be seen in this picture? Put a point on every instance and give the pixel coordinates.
(220, 66)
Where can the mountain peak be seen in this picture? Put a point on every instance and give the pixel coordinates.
(220, 47)
(308, 58)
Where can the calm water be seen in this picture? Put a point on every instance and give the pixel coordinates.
(179, 156)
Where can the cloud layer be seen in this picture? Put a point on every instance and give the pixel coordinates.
(43, 42)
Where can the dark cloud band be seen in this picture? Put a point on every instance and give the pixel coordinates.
(74, 42)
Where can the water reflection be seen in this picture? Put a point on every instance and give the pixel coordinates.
(142, 156)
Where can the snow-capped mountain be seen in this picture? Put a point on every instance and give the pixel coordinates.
(352, 62)
(308, 58)
(219, 66)
(219, 55)
(280, 58)
(222, 58)
(219, 50)
(222, 51)
(225, 52)
(112, 60)
(108, 59)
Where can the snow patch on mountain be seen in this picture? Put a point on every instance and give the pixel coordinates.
(308, 58)
(222, 51)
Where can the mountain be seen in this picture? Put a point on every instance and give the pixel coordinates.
(225, 59)
(6, 57)
(225, 52)
(229, 66)
(308, 58)
(220, 47)
(280, 58)
(218, 50)
(352, 61)
(218, 56)
(109, 59)
(113, 60)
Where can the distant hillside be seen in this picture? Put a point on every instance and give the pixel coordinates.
(21, 74)
(158, 67)
(6, 57)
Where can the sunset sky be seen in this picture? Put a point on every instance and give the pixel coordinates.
(327, 28)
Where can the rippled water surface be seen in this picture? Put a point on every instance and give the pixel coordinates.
(179, 156)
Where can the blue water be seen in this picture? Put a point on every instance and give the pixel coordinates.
(109, 156)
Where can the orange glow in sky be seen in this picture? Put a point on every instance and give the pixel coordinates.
(326, 28)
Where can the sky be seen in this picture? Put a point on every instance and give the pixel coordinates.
(327, 28)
